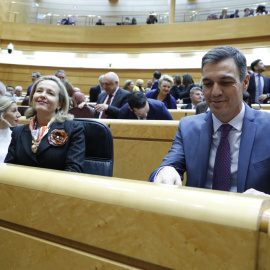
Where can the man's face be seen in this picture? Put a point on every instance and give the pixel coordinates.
(61, 75)
(223, 90)
(34, 77)
(196, 97)
(259, 68)
(11, 90)
(18, 92)
(143, 112)
(109, 85)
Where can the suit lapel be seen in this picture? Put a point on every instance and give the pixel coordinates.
(26, 141)
(116, 97)
(247, 140)
(204, 148)
(44, 144)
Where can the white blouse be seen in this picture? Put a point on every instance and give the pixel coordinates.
(5, 139)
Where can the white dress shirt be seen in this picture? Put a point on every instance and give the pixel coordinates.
(105, 101)
(5, 139)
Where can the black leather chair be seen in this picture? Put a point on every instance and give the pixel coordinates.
(85, 112)
(98, 148)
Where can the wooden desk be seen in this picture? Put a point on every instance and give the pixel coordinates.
(179, 113)
(62, 220)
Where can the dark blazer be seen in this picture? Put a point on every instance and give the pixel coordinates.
(68, 157)
(94, 92)
(191, 150)
(201, 107)
(119, 100)
(155, 85)
(157, 111)
(187, 106)
(252, 87)
(176, 91)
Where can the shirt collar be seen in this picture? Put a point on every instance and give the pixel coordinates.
(236, 122)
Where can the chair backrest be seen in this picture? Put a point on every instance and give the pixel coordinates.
(85, 112)
(25, 102)
(22, 109)
(98, 148)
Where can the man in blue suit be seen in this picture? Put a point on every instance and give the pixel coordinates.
(196, 97)
(139, 107)
(259, 85)
(199, 139)
(112, 99)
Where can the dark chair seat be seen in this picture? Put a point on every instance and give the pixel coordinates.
(25, 102)
(22, 109)
(98, 148)
(85, 112)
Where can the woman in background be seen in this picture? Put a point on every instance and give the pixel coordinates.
(128, 85)
(188, 83)
(9, 118)
(51, 140)
(163, 92)
(177, 88)
(139, 86)
(77, 99)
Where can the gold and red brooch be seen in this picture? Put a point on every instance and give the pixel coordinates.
(58, 137)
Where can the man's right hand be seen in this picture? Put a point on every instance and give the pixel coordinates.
(168, 175)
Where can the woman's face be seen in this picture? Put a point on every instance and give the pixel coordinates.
(165, 87)
(130, 87)
(12, 115)
(46, 98)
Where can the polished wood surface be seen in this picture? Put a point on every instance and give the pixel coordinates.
(108, 222)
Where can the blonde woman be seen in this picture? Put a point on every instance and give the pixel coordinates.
(51, 140)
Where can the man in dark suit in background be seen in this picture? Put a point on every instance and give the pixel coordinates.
(35, 75)
(139, 107)
(259, 85)
(96, 90)
(156, 77)
(112, 99)
(196, 97)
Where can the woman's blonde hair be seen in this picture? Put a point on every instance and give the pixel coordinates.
(166, 78)
(139, 82)
(62, 114)
(5, 102)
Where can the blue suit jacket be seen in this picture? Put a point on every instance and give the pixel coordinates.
(191, 148)
(68, 157)
(157, 111)
(94, 92)
(119, 100)
(252, 87)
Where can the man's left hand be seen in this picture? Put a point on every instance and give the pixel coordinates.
(263, 97)
(101, 107)
(253, 191)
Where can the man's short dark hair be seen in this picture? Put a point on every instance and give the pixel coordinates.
(10, 86)
(254, 63)
(60, 71)
(37, 74)
(157, 75)
(137, 100)
(218, 54)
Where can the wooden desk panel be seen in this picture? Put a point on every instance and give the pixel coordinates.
(126, 222)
